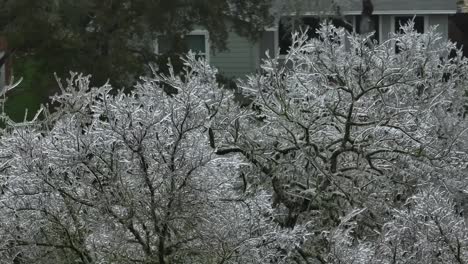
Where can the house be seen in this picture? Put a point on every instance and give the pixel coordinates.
(244, 56)
(241, 57)
(387, 17)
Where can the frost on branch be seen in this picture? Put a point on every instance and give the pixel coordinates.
(428, 229)
(111, 177)
(350, 153)
(345, 123)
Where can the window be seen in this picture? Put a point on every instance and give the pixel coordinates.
(403, 20)
(287, 25)
(375, 25)
(197, 41)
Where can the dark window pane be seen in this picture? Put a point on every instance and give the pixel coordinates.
(284, 35)
(343, 23)
(313, 24)
(374, 23)
(288, 25)
(403, 20)
(196, 43)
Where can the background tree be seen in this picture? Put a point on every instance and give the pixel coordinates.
(113, 30)
(113, 40)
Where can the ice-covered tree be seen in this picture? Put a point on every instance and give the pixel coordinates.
(351, 152)
(128, 178)
(343, 124)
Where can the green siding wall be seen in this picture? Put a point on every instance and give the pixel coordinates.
(240, 58)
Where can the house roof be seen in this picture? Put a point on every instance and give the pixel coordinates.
(383, 7)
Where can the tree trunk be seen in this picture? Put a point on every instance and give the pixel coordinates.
(366, 25)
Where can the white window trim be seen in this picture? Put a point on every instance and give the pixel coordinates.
(203, 32)
(380, 29)
(275, 31)
(156, 45)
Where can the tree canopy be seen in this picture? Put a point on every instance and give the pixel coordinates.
(350, 152)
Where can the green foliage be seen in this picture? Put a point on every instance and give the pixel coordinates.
(110, 39)
(114, 39)
(28, 96)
